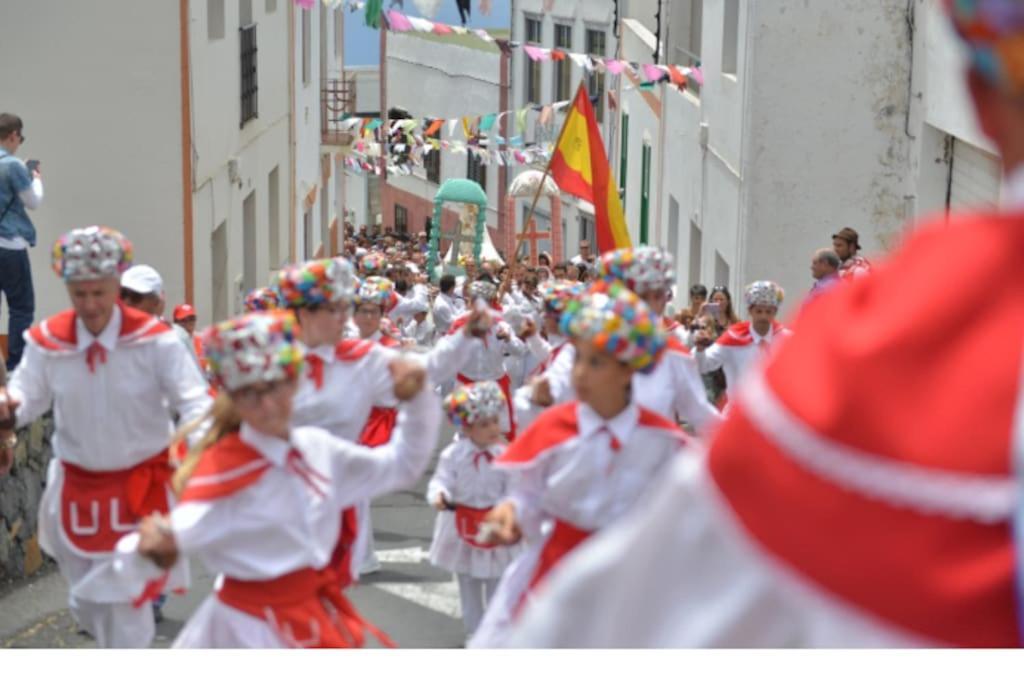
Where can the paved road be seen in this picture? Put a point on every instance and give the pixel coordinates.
(413, 602)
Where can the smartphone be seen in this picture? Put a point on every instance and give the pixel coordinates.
(33, 165)
(712, 309)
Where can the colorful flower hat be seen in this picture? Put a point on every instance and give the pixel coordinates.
(473, 402)
(262, 299)
(373, 263)
(558, 293)
(376, 290)
(993, 31)
(763, 293)
(483, 289)
(616, 321)
(92, 253)
(256, 347)
(316, 282)
(643, 269)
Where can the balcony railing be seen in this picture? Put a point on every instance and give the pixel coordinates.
(337, 101)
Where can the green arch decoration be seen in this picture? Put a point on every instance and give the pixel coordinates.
(457, 191)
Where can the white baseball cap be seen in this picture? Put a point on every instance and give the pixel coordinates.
(143, 279)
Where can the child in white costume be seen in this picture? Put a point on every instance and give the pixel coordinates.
(464, 488)
(261, 505)
(581, 465)
(109, 373)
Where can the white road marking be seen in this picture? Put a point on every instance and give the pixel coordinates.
(438, 596)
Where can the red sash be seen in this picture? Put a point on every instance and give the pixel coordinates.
(306, 608)
(505, 382)
(563, 540)
(379, 426)
(341, 558)
(467, 525)
(98, 508)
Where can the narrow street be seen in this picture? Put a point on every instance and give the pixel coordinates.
(413, 602)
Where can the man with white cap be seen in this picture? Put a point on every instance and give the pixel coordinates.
(864, 490)
(110, 373)
(745, 342)
(143, 288)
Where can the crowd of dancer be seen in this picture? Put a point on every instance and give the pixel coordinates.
(851, 486)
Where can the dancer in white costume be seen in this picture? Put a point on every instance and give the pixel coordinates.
(110, 373)
(464, 489)
(261, 504)
(584, 464)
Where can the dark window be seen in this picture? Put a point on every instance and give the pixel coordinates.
(250, 109)
(401, 220)
(432, 160)
(563, 68)
(533, 36)
(475, 170)
(595, 81)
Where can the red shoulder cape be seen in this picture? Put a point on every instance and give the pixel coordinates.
(351, 350)
(224, 469)
(739, 334)
(58, 333)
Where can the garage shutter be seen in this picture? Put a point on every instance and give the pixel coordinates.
(976, 178)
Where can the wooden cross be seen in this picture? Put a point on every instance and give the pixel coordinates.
(462, 231)
(532, 236)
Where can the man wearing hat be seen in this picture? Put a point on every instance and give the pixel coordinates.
(864, 490)
(142, 288)
(112, 375)
(846, 244)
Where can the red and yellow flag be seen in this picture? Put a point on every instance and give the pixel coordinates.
(580, 167)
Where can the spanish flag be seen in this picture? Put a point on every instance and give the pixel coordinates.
(580, 167)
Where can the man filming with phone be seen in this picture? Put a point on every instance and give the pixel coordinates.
(21, 188)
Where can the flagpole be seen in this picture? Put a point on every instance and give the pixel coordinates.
(540, 188)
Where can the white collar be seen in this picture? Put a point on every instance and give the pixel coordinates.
(107, 338)
(270, 447)
(621, 426)
(324, 352)
(757, 338)
(1013, 190)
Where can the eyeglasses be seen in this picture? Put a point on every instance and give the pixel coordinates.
(720, 289)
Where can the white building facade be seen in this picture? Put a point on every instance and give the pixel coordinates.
(195, 132)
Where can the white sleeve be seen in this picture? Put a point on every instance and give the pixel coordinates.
(514, 346)
(448, 356)
(29, 387)
(691, 400)
(382, 390)
(361, 473)
(559, 375)
(538, 346)
(183, 386)
(32, 198)
(442, 316)
(444, 475)
(526, 487)
(711, 359)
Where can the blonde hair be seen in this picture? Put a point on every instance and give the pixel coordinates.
(224, 420)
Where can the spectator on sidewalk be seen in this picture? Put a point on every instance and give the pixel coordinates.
(20, 189)
(143, 288)
(846, 244)
(585, 257)
(824, 270)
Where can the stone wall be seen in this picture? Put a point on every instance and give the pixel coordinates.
(20, 492)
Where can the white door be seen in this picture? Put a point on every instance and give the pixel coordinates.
(975, 178)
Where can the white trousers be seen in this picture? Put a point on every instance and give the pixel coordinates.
(475, 595)
(115, 624)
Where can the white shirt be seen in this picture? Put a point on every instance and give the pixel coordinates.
(482, 360)
(582, 480)
(278, 525)
(118, 416)
(734, 361)
(349, 392)
(445, 310)
(466, 479)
